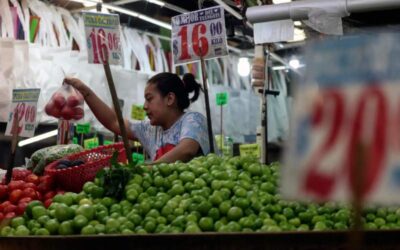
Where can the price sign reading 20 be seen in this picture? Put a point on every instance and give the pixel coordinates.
(103, 38)
(199, 34)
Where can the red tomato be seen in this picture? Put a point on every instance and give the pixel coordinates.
(29, 185)
(67, 112)
(39, 195)
(48, 202)
(15, 185)
(9, 215)
(29, 192)
(3, 191)
(59, 100)
(25, 199)
(15, 195)
(21, 208)
(72, 101)
(78, 113)
(20, 174)
(10, 208)
(4, 205)
(49, 195)
(32, 178)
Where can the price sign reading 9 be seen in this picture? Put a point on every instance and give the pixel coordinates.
(199, 34)
(103, 38)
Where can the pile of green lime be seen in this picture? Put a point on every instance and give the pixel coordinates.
(208, 194)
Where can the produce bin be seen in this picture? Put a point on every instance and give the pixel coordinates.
(382, 239)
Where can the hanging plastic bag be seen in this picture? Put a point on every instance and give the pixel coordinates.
(66, 103)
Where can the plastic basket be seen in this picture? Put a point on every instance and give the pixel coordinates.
(73, 178)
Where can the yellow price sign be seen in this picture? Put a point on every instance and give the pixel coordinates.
(249, 150)
(138, 112)
(91, 143)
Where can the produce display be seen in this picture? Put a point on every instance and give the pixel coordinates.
(44, 156)
(24, 188)
(208, 194)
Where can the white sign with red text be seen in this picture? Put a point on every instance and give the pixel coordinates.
(24, 103)
(103, 38)
(346, 123)
(199, 34)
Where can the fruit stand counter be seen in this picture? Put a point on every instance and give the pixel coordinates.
(383, 239)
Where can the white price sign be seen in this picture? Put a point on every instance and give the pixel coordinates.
(24, 103)
(103, 38)
(346, 127)
(199, 34)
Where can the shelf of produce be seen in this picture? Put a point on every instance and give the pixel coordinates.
(382, 239)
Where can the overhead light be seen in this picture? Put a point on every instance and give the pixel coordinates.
(38, 138)
(129, 12)
(279, 67)
(299, 35)
(294, 63)
(156, 2)
(281, 1)
(297, 23)
(243, 66)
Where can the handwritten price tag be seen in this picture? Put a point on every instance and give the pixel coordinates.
(138, 112)
(222, 98)
(83, 128)
(346, 130)
(91, 143)
(199, 34)
(249, 150)
(103, 38)
(24, 102)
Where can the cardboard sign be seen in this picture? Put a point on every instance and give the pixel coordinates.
(103, 38)
(222, 98)
(24, 101)
(346, 123)
(83, 128)
(249, 150)
(199, 34)
(138, 112)
(91, 143)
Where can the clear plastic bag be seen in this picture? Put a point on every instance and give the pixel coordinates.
(66, 103)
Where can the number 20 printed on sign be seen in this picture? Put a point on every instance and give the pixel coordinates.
(103, 38)
(199, 34)
(347, 131)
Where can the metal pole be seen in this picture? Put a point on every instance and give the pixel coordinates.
(207, 101)
(298, 10)
(118, 112)
(14, 142)
(222, 135)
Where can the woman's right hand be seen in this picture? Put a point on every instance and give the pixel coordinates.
(78, 85)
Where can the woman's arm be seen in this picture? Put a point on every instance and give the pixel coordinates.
(184, 151)
(101, 111)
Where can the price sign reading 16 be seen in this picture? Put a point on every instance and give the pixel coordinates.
(100, 46)
(200, 42)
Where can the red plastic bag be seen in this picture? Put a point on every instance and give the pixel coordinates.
(66, 103)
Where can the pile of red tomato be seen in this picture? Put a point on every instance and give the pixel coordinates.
(23, 188)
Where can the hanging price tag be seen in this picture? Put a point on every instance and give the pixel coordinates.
(199, 34)
(138, 158)
(24, 101)
(249, 150)
(138, 112)
(103, 38)
(346, 129)
(107, 142)
(83, 128)
(222, 98)
(91, 143)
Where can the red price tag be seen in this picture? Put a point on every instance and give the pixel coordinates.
(345, 136)
(103, 38)
(199, 34)
(23, 108)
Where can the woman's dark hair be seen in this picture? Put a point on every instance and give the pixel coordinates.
(169, 82)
